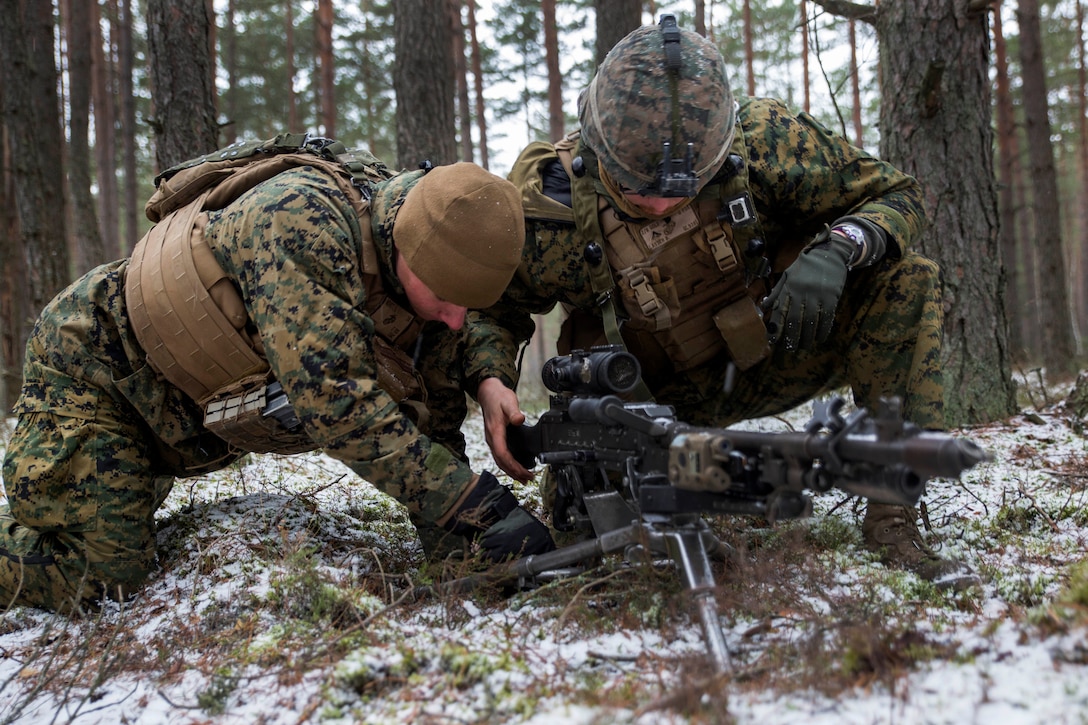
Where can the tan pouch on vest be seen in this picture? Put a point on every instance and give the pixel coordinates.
(240, 414)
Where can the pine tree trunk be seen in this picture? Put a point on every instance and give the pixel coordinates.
(133, 209)
(326, 75)
(1080, 272)
(556, 118)
(855, 88)
(478, 88)
(935, 124)
(88, 242)
(1058, 352)
(293, 123)
(34, 261)
(178, 34)
(105, 101)
(229, 60)
(615, 19)
(749, 55)
(1008, 154)
(460, 69)
(805, 82)
(424, 84)
(12, 288)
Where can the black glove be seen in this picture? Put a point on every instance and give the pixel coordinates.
(802, 304)
(491, 516)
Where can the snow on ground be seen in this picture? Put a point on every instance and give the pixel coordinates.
(248, 620)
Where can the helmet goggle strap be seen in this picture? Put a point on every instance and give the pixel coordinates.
(675, 176)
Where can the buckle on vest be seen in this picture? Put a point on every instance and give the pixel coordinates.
(646, 299)
(721, 248)
(315, 143)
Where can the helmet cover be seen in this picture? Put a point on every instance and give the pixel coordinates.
(644, 97)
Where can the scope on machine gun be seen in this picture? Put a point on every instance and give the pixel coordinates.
(604, 369)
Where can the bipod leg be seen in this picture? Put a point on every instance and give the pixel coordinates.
(688, 550)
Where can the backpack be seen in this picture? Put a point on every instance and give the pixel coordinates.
(227, 173)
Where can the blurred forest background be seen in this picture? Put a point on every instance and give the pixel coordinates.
(983, 100)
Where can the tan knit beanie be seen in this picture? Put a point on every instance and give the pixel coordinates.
(460, 230)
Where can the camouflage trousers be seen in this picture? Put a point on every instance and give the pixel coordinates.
(99, 442)
(886, 341)
(79, 522)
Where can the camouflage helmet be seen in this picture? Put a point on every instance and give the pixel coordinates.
(659, 113)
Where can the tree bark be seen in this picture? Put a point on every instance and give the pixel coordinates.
(293, 123)
(424, 85)
(1059, 351)
(88, 248)
(556, 118)
(323, 28)
(805, 82)
(936, 125)
(1080, 270)
(34, 263)
(855, 88)
(178, 34)
(460, 69)
(1009, 175)
(128, 128)
(478, 81)
(615, 19)
(229, 61)
(105, 100)
(749, 54)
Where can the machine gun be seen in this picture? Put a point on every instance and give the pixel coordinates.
(636, 480)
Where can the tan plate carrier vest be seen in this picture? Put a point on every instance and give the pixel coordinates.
(189, 316)
(676, 315)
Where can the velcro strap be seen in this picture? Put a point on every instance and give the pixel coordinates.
(393, 322)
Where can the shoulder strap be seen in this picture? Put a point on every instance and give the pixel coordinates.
(526, 176)
(253, 162)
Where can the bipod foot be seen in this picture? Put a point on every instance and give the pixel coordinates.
(688, 548)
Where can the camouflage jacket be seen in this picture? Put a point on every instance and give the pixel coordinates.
(303, 287)
(291, 245)
(801, 176)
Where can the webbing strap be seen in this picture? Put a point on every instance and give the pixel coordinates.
(600, 273)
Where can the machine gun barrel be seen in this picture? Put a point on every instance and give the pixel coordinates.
(929, 455)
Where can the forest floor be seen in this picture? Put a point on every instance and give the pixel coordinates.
(284, 596)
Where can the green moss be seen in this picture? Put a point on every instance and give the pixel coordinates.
(213, 700)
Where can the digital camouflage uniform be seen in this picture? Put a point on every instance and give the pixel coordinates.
(101, 438)
(887, 331)
(749, 257)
